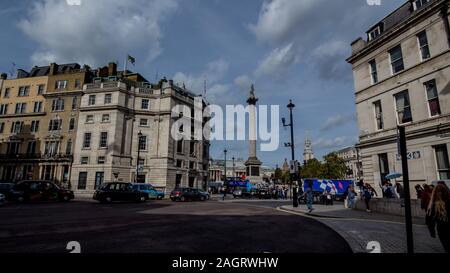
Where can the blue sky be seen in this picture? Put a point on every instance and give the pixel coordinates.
(290, 49)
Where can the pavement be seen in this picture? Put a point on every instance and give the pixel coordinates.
(359, 228)
(163, 227)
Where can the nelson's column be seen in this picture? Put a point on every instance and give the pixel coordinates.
(253, 164)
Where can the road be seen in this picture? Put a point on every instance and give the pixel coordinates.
(163, 227)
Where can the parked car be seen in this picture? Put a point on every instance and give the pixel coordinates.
(119, 191)
(263, 194)
(186, 194)
(150, 190)
(2, 199)
(39, 190)
(6, 190)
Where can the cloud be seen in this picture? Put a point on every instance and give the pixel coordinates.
(243, 82)
(336, 121)
(96, 32)
(322, 143)
(215, 71)
(277, 62)
(324, 46)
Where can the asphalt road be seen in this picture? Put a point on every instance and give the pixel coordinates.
(163, 227)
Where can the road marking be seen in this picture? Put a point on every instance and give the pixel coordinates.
(342, 219)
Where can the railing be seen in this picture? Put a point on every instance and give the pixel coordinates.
(99, 85)
(147, 91)
(36, 156)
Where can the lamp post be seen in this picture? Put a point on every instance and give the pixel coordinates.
(225, 175)
(234, 168)
(138, 156)
(291, 106)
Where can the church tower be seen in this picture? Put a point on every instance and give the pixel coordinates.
(308, 153)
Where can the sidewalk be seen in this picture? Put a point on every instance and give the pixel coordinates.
(359, 228)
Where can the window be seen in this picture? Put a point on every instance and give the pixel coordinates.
(55, 125)
(379, 115)
(384, 166)
(20, 108)
(375, 33)
(108, 98)
(433, 98)
(24, 91)
(192, 149)
(2, 127)
(143, 122)
(90, 119)
(87, 141)
(34, 126)
(191, 165)
(101, 160)
(40, 89)
(31, 148)
(60, 84)
(72, 124)
(179, 163)
(403, 107)
(37, 107)
(51, 148)
(180, 146)
(99, 179)
(145, 104)
(82, 179)
(373, 71)
(16, 127)
(103, 139)
(77, 83)
(3, 109)
(7, 92)
(69, 147)
(442, 162)
(58, 105)
(419, 4)
(92, 99)
(396, 59)
(423, 45)
(105, 118)
(84, 160)
(74, 103)
(143, 143)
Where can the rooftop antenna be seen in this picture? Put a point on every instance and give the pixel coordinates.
(204, 89)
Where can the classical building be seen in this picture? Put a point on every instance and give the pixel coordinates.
(21, 133)
(401, 74)
(308, 153)
(352, 160)
(234, 169)
(123, 115)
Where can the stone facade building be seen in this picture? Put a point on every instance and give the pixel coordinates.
(121, 116)
(401, 74)
(352, 160)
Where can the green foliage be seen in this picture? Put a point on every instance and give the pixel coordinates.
(333, 167)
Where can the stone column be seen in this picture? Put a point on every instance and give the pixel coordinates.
(253, 164)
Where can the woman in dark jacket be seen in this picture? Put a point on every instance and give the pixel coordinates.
(438, 215)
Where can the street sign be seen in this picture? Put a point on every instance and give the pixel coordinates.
(293, 167)
(411, 155)
(141, 168)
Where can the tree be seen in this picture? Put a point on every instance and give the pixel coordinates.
(334, 167)
(312, 169)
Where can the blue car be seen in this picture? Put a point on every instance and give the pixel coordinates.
(150, 190)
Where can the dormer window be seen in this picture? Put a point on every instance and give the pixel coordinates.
(418, 4)
(375, 33)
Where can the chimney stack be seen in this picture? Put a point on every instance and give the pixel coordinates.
(53, 69)
(112, 69)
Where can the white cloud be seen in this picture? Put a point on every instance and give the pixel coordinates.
(243, 82)
(322, 143)
(97, 31)
(214, 72)
(277, 62)
(336, 121)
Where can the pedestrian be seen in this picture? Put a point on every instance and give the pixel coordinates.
(351, 197)
(367, 196)
(309, 198)
(425, 197)
(360, 185)
(419, 191)
(438, 215)
(345, 196)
